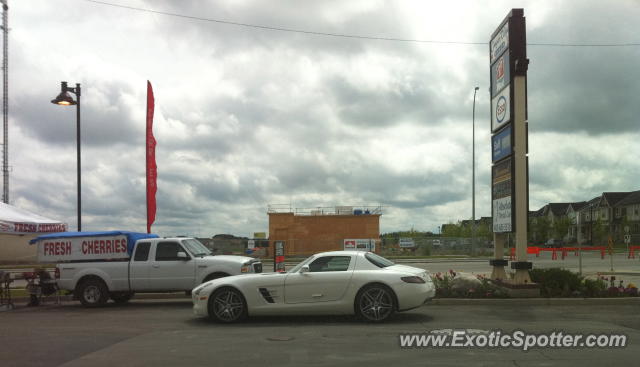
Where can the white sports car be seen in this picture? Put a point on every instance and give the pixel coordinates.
(335, 283)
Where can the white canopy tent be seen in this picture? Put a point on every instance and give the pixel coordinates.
(17, 227)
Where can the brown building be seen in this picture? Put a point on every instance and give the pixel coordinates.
(308, 231)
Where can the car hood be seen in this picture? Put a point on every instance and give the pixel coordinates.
(230, 259)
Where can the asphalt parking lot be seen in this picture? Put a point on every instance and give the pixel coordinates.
(165, 333)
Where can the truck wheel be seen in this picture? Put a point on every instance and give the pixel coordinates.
(93, 293)
(121, 297)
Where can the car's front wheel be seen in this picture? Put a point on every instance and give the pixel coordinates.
(227, 305)
(375, 303)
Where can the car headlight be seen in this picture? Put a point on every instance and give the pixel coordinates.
(412, 280)
(200, 288)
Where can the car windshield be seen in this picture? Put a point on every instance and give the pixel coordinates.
(378, 260)
(195, 247)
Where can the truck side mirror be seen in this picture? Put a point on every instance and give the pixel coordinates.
(304, 269)
(182, 256)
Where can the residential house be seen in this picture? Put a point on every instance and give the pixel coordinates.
(607, 210)
(627, 216)
(573, 214)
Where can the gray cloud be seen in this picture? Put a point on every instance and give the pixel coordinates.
(248, 117)
(105, 124)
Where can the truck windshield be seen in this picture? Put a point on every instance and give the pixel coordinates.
(195, 247)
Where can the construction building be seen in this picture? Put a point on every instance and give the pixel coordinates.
(307, 231)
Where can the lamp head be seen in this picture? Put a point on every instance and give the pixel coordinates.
(64, 98)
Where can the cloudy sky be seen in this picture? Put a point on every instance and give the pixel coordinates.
(247, 117)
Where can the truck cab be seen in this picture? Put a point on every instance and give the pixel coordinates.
(181, 264)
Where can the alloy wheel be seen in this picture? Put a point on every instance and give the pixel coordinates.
(228, 305)
(376, 303)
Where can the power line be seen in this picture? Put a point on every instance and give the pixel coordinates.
(341, 35)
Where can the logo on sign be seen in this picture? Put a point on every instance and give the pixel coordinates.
(501, 109)
(500, 42)
(500, 69)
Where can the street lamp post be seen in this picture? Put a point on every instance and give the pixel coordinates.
(64, 99)
(473, 174)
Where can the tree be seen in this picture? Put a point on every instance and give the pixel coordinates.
(599, 232)
(561, 227)
(541, 229)
(484, 231)
(451, 230)
(465, 231)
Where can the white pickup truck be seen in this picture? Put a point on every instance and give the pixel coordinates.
(97, 266)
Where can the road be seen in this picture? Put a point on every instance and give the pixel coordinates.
(165, 333)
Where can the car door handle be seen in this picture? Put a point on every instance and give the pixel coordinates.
(155, 266)
(202, 266)
(68, 268)
(316, 295)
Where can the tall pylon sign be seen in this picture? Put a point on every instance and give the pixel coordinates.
(509, 144)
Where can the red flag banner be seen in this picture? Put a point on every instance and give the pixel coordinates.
(152, 169)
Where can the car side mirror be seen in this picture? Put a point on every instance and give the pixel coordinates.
(304, 269)
(182, 256)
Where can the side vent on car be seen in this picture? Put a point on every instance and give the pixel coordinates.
(266, 295)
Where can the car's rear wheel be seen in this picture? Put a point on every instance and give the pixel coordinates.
(375, 303)
(227, 305)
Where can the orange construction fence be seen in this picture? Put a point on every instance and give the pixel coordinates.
(564, 250)
(632, 252)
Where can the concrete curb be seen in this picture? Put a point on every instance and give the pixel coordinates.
(536, 301)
